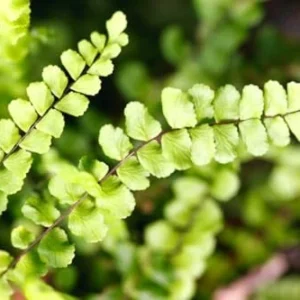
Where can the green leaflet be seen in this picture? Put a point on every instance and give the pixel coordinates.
(96, 168)
(6, 290)
(226, 103)
(133, 175)
(73, 104)
(151, 158)
(116, 25)
(10, 183)
(293, 90)
(182, 288)
(227, 139)
(55, 79)
(140, 125)
(177, 109)
(203, 144)
(98, 40)
(40, 211)
(278, 131)
(88, 51)
(21, 237)
(225, 185)
(87, 84)
(254, 136)
(252, 103)
(293, 121)
(114, 142)
(161, 236)
(3, 202)
(73, 63)
(116, 198)
(52, 123)
(55, 250)
(101, 67)
(5, 260)
(87, 222)
(176, 148)
(22, 113)
(19, 163)
(37, 141)
(9, 135)
(202, 97)
(275, 99)
(40, 97)
(111, 51)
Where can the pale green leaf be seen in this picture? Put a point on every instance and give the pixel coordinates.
(6, 290)
(3, 202)
(10, 183)
(133, 175)
(203, 144)
(37, 141)
(177, 109)
(19, 163)
(160, 236)
(114, 142)
(52, 123)
(116, 25)
(87, 222)
(226, 139)
(252, 102)
(40, 97)
(123, 39)
(176, 148)
(40, 211)
(96, 168)
(87, 84)
(102, 67)
(116, 198)
(182, 288)
(111, 51)
(9, 135)
(23, 113)
(293, 121)
(21, 237)
(202, 97)
(225, 185)
(226, 103)
(88, 51)
(140, 125)
(55, 249)
(278, 131)
(151, 158)
(293, 89)
(254, 136)
(275, 98)
(73, 63)
(5, 260)
(98, 40)
(73, 104)
(55, 79)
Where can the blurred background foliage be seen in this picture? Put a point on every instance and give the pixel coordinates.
(175, 43)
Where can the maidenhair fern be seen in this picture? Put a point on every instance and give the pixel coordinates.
(203, 126)
(35, 121)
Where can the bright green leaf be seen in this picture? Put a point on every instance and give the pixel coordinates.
(87, 222)
(203, 144)
(275, 98)
(52, 123)
(73, 63)
(9, 135)
(133, 175)
(151, 158)
(226, 103)
(3, 202)
(278, 131)
(116, 25)
(88, 51)
(40, 97)
(10, 183)
(177, 109)
(98, 40)
(23, 113)
(5, 260)
(6, 290)
(21, 237)
(55, 79)
(176, 148)
(140, 125)
(73, 104)
(55, 249)
(226, 139)
(96, 168)
(293, 89)
(293, 121)
(114, 142)
(254, 136)
(102, 67)
(111, 51)
(87, 84)
(37, 141)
